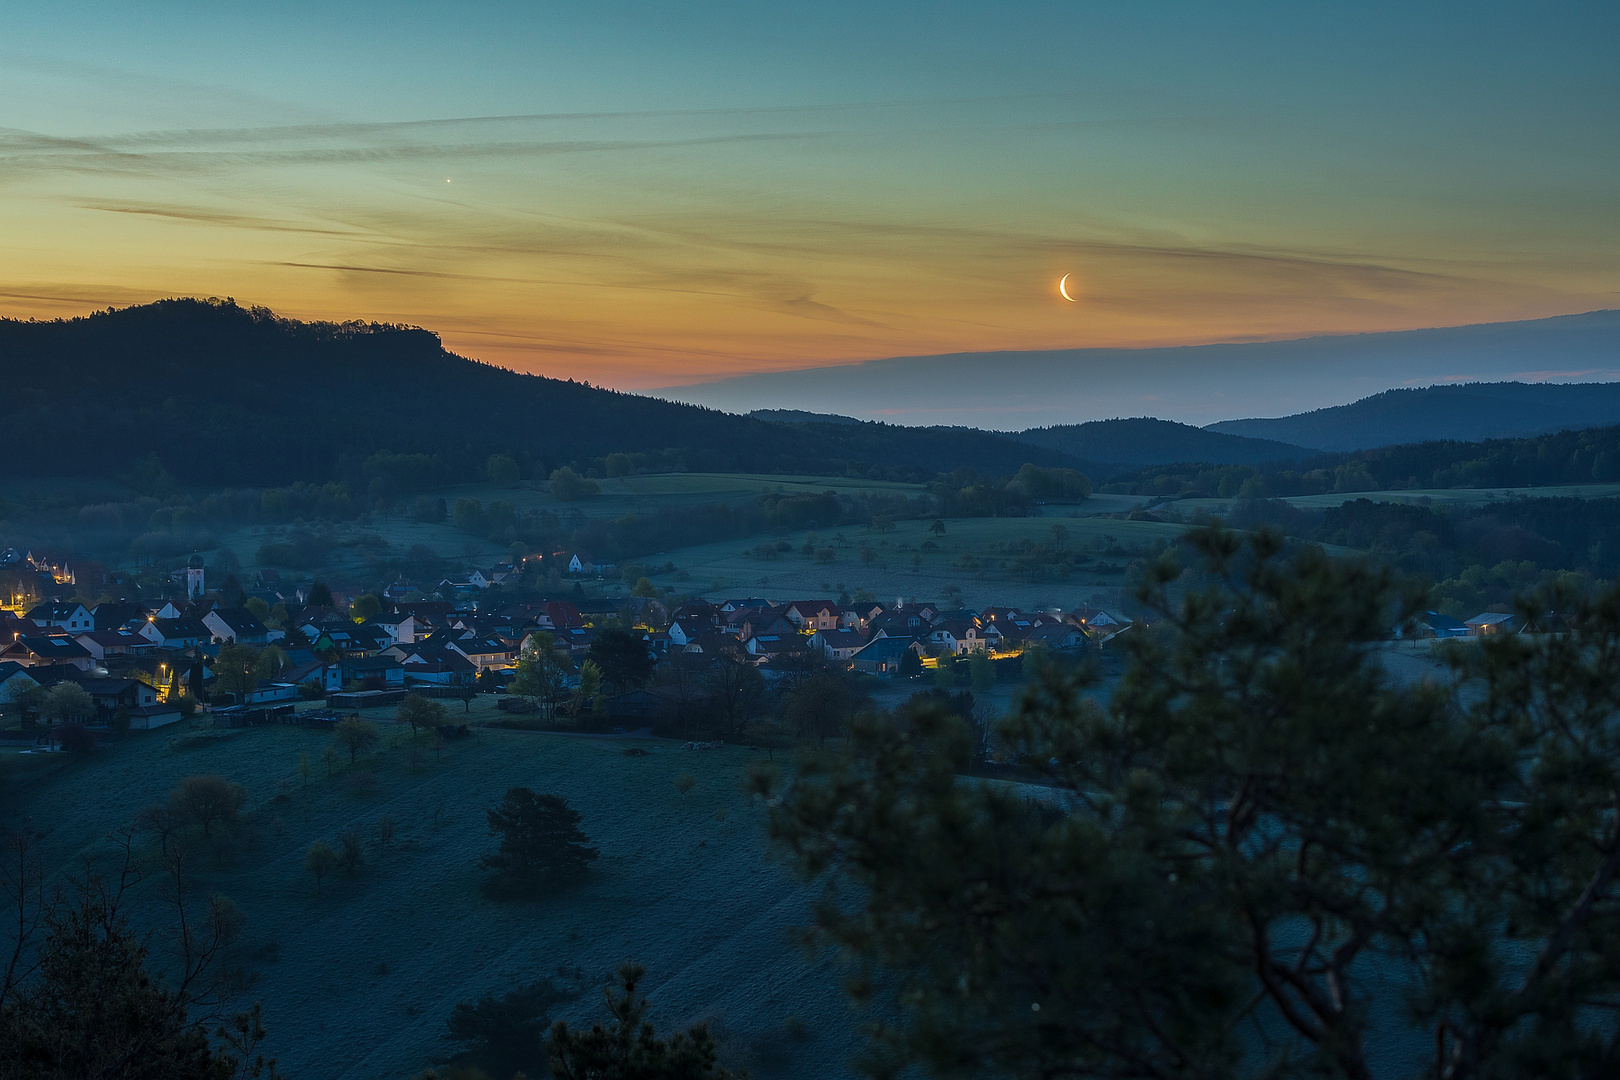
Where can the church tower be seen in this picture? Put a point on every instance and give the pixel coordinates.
(194, 578)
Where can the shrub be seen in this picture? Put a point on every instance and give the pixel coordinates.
(541, 844)
(350, 850)
(685, 783)
(320, 860)
(76, 739)
(310, 690)
(506, 1035)
(357, 736)
(208, 801)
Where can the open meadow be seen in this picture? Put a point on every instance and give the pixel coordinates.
(357, 976)
(1416, 497)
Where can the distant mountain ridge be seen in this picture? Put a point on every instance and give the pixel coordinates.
(1147, 441)
(1193, 384)
(1467, 412)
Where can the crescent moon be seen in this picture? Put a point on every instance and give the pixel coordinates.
(1062, 288)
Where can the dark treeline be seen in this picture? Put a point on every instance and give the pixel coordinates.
(223, 394)
(1477, 555)
(1563, 457)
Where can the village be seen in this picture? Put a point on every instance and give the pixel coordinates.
(145, 665)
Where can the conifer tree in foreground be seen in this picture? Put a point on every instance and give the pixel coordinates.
(541, 844)
(1261, 857)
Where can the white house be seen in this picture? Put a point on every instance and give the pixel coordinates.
(74, 618)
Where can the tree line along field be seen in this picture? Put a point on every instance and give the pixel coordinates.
(358, 976)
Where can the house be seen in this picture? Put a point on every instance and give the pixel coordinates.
(101, 644)
(813, 614)
(401, 629)
(1444, 626)
(580, 564)
(837, 644)
(14, 682)
(1490, 623)
(438, 667)
(712, 645)
(166, 611)
(109, 694)
(883, 655)
(486, 652)
(374, 672)
(74, 618)
(236, 624)
(116, 615)
(329, 677)
(179, 633)
(1095, 618)
(764, 648)
(270, 690)
(960, 636)
(1061, 636)
(146, 717)
(683, 631)
(43, 651)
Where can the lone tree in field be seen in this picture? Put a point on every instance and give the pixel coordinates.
(629, 1048)
(208, 801)
(321, 860)
(541, 844)
(421, 712)
(357, 736)
(684, 783)
(1262, 856)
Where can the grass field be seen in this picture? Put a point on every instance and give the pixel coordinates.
(1434, 496)
(365, 971)
(731, 568)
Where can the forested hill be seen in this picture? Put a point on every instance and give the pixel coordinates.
(1147, 441)
(229, 395)
(1469, 412)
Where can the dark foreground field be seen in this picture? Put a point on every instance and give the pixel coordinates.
(358, 977)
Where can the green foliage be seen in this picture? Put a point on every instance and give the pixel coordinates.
(981, 671)
(209, 801)
(320, 595)
(541, 845)
(542, 672)
(945, 672)
(1259, 831)
(92, 1009)
(1051, 485)
(365, 607)
(236, 669)
(321, 860)
(622, 657)
(421, 712)
(502, 470)
(569, 486)
(68, 702)
(357, 736)
(644, 587)
(629, 1048)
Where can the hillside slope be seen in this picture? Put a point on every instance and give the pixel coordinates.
(357, 977)
(1146, 441)
(228, 395)
(1470, 412)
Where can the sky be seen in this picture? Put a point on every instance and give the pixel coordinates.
(646, 195)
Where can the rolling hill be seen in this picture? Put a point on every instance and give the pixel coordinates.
(235, 396)
(1146, 441)
(1466, 413)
